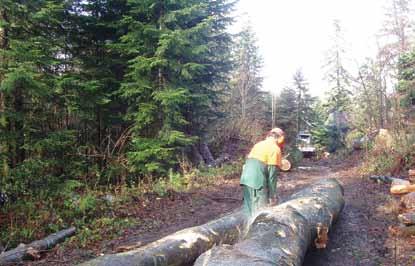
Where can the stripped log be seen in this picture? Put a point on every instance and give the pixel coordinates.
(280, 235)
(32, 250)
(181, 248)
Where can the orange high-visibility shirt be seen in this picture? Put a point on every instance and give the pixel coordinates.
(267, 151)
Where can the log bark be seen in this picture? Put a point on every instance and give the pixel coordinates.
(407, 218)
(408, 201)
(181, 248)
(31, 251)
(280, 235)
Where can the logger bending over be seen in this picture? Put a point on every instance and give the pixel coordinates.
(259, 174)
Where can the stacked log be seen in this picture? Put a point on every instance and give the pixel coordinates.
(401, 186)
(407, 190)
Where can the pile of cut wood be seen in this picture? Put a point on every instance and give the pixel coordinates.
(406, 189)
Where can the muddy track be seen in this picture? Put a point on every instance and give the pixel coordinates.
(360, 234)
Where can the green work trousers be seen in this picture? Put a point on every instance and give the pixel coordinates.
(254, 199)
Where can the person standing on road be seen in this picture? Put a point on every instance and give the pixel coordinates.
(259, 174)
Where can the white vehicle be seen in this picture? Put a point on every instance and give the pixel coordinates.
(305, 144)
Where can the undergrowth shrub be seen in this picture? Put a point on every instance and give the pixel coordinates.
(390, 155)
(96, 212)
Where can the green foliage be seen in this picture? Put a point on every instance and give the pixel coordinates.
(170, 81)
(96, 94)
(352, 137)
(51, 160)
(108, 91)
(100, 229)
(337, 76)
(392, 158)
(287, 113)
(406, 78)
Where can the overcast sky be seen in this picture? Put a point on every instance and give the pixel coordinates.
(295, 34)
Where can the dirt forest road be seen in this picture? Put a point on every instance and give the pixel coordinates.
(360, 236)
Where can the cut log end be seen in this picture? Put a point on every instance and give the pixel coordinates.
(322, 236)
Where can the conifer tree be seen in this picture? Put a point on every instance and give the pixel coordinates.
(179, 53)
(337, 76)
(304, 102)
(286, 113)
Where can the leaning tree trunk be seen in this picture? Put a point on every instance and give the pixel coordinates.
(281, 235)
(181, 248)
(206, 154)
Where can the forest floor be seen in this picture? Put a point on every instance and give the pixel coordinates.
(361, 236)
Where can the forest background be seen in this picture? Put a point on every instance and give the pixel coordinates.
(109, 98)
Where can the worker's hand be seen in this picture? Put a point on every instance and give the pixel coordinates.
(273, 201)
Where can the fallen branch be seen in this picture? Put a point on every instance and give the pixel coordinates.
(32, 250)
(281, 235)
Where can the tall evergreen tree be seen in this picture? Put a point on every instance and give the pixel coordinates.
(304, 102)
(30, 125)
(179, 52)
(406, 90)
(337, 76)
(286, 113)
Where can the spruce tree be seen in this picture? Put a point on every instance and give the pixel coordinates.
(337, 76)
(304, 102)
(179, 53)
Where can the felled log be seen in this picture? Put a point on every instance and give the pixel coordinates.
(381, 179)
(407, 218)
(408, 201)
(32, 250)
(399, 181)
(280, 235)
(181, 248)
(402, 189)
